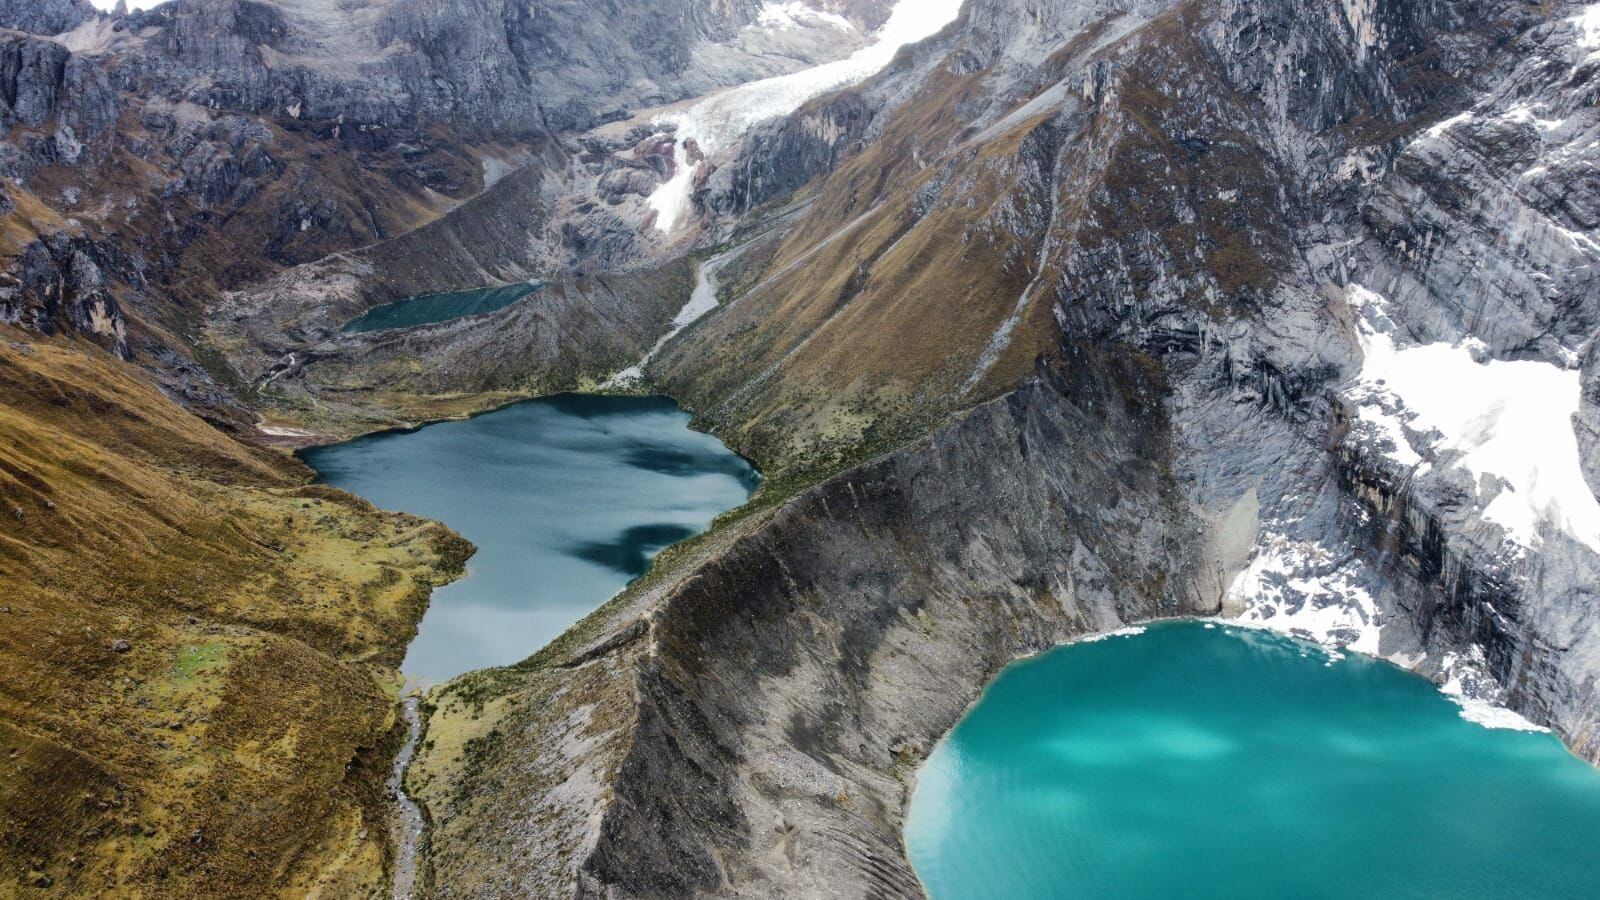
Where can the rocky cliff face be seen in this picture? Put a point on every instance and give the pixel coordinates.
(1282, 223)
(485, 66)
(45, 16)
(745, 722)
(1282, 207)
(60, 284)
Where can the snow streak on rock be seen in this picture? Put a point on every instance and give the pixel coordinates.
(701, 301)
(720, 120)
(1466, 681)
(1588, 23)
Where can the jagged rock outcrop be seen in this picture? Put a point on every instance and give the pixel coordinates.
(486, 66)
(778, 159)
(60, 285)
(42, 82)
(45, 16)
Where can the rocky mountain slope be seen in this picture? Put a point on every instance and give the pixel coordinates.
(1078, 313)
(159, 159)
(1305, 219)
(1256, 236)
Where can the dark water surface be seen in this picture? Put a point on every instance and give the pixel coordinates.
(1195, 761)
(567, 499)
(429, 308)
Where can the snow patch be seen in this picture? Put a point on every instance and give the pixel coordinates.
(783, 16)
(1302, 589)
(1130, 631)
(1588, 24)
(110, 5)
(720, 120)
(1439, 128)
(1470, 687)
(1507, 422)
(1523, 113)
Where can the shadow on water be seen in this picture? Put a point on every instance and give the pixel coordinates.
(689, 464)
(631, 552)
(567, 498)
(596, 407)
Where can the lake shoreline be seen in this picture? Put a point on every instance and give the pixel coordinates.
(498, 477)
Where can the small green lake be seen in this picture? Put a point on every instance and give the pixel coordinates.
(1203, 760)
(567, 498)
(430, 308)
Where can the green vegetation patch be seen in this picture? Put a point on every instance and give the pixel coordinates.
(195, 658)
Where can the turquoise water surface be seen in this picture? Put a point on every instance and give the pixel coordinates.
(568, 499)
(1197, 760)
(429, 308)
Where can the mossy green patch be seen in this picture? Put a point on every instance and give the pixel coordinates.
(197, 657)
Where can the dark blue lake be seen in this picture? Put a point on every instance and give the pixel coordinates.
(567, 498)
(429, 308)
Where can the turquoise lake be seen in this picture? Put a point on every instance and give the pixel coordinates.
(430, 308)
(567, 498)
(1201, 760)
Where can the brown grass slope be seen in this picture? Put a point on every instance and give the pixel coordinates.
(877, 315)
(197, 649)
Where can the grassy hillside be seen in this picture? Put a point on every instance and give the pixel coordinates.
(197, 648)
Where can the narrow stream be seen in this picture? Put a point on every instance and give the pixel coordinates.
(567, 499)
(408, 822)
